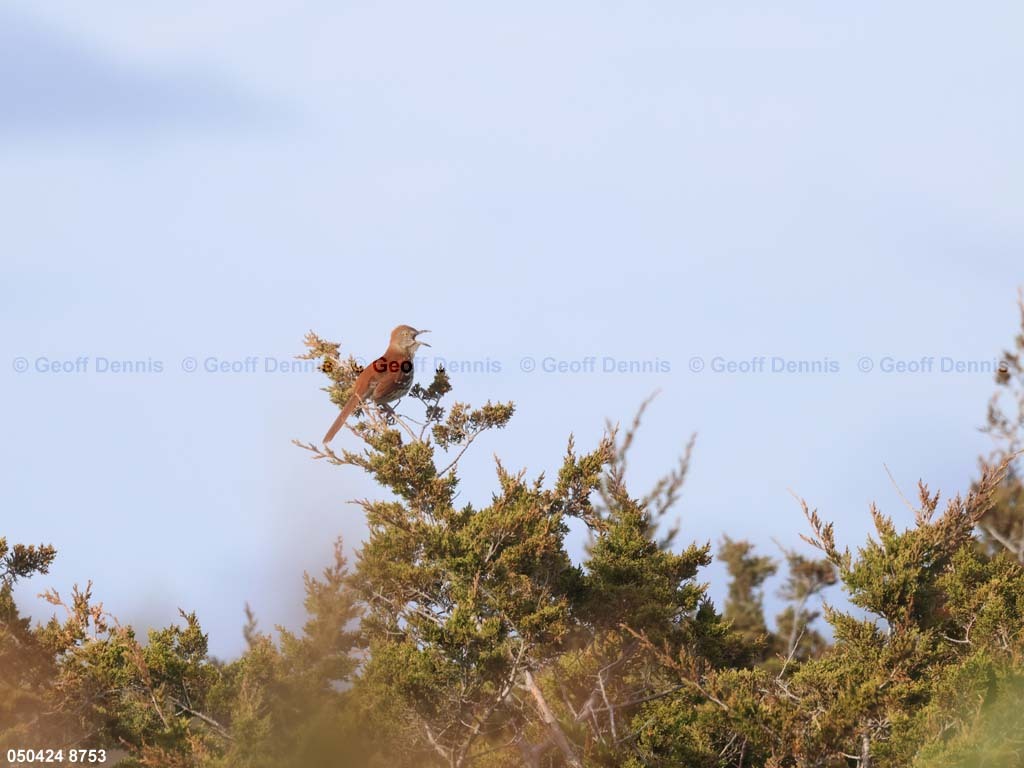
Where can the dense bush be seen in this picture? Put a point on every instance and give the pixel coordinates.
(467, 636)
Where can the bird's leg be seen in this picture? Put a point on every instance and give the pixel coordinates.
(389, 413)
(393, 418)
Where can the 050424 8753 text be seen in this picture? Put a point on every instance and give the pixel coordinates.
(17, 757)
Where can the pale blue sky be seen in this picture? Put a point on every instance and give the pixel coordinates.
(676, 180)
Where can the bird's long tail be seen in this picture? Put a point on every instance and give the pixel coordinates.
(339, 422)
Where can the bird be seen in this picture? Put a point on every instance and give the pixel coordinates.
(387, 379)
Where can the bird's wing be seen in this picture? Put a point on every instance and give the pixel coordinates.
(392, 384)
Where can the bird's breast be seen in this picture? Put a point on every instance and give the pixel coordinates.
(393, 380)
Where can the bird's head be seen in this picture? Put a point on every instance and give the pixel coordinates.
(404, 338)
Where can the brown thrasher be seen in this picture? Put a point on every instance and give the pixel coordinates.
(387, 379)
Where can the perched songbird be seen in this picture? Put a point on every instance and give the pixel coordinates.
(387, 379)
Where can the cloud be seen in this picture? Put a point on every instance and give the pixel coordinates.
(51, 84)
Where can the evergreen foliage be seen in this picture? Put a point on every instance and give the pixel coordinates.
(465, 634)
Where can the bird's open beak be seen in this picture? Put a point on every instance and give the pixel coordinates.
(421, 343)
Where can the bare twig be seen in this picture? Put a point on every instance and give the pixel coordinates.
(221, 730)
